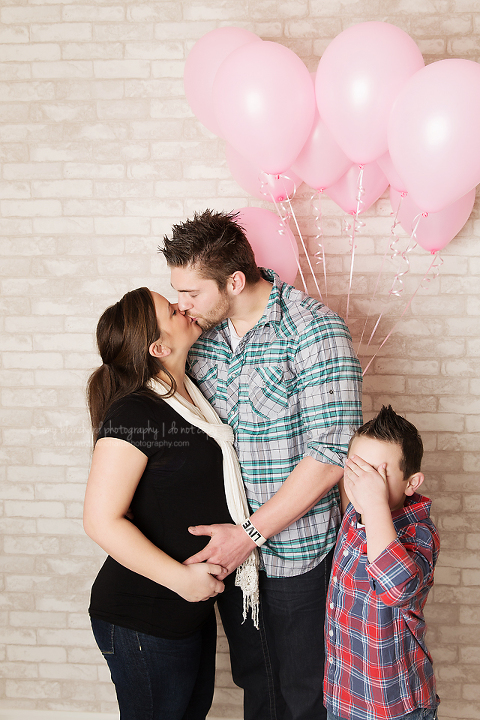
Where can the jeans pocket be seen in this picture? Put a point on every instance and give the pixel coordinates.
(104, 633)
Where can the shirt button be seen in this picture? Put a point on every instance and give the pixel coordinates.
(345, 553)
(332, 606)
(330, 632)
(335, 579)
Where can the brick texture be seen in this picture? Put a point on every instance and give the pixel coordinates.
(100, 154)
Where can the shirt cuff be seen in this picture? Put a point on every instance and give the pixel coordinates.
(325, 455)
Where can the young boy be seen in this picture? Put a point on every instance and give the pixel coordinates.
(377, 664)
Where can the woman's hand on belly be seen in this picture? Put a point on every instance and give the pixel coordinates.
(197, 582)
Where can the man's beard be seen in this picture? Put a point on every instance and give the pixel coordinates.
(216, 316)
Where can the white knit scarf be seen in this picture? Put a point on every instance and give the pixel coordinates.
(203, 416)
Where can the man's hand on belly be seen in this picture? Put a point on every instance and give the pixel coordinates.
(229, 546)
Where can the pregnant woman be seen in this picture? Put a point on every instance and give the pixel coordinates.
(163, 461)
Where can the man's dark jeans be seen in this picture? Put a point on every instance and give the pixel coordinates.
(294, 612)
(249, 656)
(280, 667)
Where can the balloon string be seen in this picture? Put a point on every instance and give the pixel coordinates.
(395, 253)
(266, 190)
(292, 214)
(371, 303)
(403, 255)
(435, 260)
(351, 270)
(285, 220)
(355, 227)
(374, 329)
(320, 254)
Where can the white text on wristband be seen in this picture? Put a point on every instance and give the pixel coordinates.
(253, 533)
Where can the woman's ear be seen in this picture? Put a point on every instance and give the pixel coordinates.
(414, 482)
(158, 350)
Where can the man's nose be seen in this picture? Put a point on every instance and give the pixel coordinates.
(183, 303)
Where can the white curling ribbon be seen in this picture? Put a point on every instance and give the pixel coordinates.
(435, 266)
(395, 253)
(292, 214)
(266, 188)
(395, 290)
(285, 216)
(320, 254)
(356, 228)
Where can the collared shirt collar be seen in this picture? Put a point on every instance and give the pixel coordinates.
(273, 311)
(415, 509)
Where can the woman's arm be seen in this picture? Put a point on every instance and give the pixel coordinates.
(117, 467)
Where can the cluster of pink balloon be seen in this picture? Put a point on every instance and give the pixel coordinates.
(372, 104)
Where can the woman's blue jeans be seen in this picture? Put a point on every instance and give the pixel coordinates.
(156, 678)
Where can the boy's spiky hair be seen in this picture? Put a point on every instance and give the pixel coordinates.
(389, 427)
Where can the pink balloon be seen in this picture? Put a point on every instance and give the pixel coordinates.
(321, 162)
(387, 167)
(345, 191)
(358, 79)
(435, 230)
(264, 104)
(434, 136)
(202, 64)
(265, 187)
(274, 244)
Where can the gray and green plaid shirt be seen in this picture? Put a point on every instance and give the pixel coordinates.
(291, 389)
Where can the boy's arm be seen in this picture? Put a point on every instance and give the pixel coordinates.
(344, 501)
(405, 569)
(399, 567)
(368, 491)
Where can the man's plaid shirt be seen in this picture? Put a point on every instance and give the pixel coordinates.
(291, 389)
(377, 665)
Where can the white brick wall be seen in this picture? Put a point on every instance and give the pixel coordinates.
(100, 154)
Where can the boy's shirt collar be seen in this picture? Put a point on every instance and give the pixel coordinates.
(416, 508)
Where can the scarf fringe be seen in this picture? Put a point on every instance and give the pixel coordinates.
(246, 578)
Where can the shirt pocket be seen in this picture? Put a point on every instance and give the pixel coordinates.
(267, 392)
(206, 376)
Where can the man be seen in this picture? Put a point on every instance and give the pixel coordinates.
(279, 367)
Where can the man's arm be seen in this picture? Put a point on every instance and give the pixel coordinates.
(329, 394)
(304, 487)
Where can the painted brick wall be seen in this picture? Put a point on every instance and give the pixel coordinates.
(100, 154)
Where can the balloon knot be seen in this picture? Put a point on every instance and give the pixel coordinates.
(404, 193)
(424, 214)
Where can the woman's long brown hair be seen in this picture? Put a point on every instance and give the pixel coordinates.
(124, 334)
